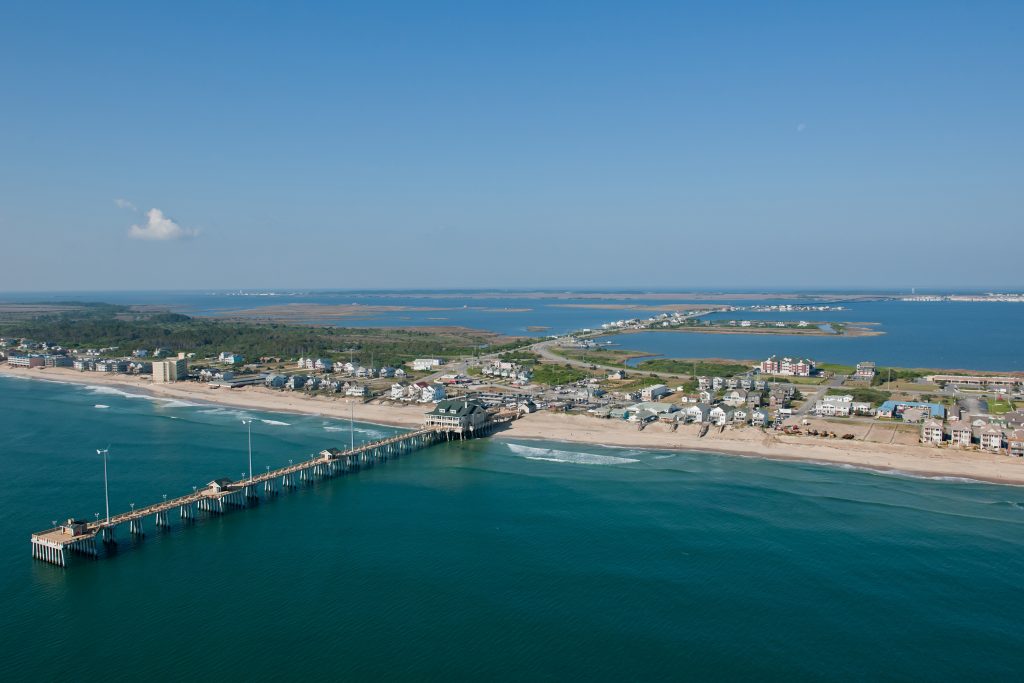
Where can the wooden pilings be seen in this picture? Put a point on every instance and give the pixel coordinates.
(54, 545)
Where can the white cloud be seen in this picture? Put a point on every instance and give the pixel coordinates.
(801, 127)
(160, 227)
(124, 204)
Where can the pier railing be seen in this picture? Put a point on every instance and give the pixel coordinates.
(56, 544)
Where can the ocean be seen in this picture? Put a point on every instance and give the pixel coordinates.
(492, 560)
(916, 334)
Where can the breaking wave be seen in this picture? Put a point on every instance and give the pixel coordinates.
(573, 457)
(114, 391)
(100, 405)
(276, 423)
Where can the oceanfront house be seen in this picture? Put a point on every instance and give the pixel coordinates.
(861, 408)
(735, 397)
(275, 381)
(398, 391)
(356, 391)
(426, 364)
(312, 384)
(1015, 443)
(30, 361)
(721, 415)
(991, 439)
(699, 413)
(897, 409)
(834, 406)
(931, 432)
(458, 415)
(865, 371)
(114, 366)
(295, 382)
(654, 392)
(795, 367)
(759, 418)
(961, 434)
(429, 393)
(647, 410)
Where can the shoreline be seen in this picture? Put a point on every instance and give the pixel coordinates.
(894, 458)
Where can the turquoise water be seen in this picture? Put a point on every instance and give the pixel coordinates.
(494, 560)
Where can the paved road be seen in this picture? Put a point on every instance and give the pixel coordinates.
(810, 401)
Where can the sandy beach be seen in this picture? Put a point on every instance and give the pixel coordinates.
(912, 459)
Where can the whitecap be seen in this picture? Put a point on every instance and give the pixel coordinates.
(114, 391)
(573, 457)
(100, 405)
(276, 423)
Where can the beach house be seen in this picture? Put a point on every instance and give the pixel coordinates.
(991, 438)
(654, 392)
(961, 434)
(931, 432)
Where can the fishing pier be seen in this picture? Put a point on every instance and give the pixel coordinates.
(76, 537)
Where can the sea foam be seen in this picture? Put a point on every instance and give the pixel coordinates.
(571, 457)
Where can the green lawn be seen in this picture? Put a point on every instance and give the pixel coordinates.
(862, 394)
(998, 407)
(550, 374)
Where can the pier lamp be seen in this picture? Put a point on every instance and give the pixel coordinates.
(248, 424)
(132, 506)
(97, 516)
(194, 489)
(165, 497)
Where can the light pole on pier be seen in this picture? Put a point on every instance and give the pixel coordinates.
(106, 491)
(248, 424)
(351, 427)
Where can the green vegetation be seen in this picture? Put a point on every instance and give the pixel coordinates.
(862, 394)
(104, 325)
(897, 374)
(547, 373)
(688, 367)
(521, 356)
(613, 358)
(837, 369)
(1000, 406)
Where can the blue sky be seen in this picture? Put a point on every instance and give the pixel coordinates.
(512, 144)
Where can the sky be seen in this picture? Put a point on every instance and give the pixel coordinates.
(194, 145)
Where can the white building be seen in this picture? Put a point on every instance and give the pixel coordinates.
(654, 392)
(170, 369)
(426, 364)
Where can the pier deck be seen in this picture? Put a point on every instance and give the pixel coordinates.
(54, 545)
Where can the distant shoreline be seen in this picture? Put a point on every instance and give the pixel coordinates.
(909, 458)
